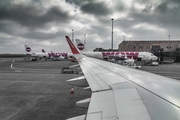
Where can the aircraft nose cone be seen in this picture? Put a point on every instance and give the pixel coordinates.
(156, 58)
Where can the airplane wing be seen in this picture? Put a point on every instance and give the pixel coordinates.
(122, 93)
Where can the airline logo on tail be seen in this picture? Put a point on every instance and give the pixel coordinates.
(80, 46)
(28, 49)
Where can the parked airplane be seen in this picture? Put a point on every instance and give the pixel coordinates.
(128, 57)
(61, 55)
(55, 56)
(45, 55)
(34, 55)
(119, 92)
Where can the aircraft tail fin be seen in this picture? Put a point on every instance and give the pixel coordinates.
(52, 54)
(43, 51)
(27, 48)
(71, 45)
(81, 46)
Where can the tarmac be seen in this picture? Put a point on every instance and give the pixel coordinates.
(168, 70)
(36, 90)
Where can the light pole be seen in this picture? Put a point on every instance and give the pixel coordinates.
(169, 37)
(124, 37)
(84, 40)
(72, 35)
(112, 35)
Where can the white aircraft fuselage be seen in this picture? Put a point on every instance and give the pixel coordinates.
(45, 55)
(128, 57)
(140, 56)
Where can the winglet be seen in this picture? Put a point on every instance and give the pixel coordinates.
(71, 45)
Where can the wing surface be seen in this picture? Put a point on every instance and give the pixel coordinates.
(119, 92)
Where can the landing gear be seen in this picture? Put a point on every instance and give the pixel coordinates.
(45, 58)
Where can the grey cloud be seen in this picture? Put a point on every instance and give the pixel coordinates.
(95, 8)
(11, 28)
(42, 36)
(5, 41)
(99, 9)
(78, 2)
(147, 8)
(32, 16)
(175, 1)
(15, 18)
(147, 34)
(156, 1)
(162, 8)
(124, 24)
(120, 6)
(100, 30)
(161, 16)
(34, 19)
(5, 2)
(7, 28)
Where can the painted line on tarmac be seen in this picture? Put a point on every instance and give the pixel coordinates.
(3, 60)
(22, 68)
(12, 64)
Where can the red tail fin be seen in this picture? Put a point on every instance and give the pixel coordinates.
(71, 45)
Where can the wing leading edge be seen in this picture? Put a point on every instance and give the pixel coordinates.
(119, 92)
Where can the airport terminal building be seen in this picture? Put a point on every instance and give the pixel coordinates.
(150, 46)
(163, 49)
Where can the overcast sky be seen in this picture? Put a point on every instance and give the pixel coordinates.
(45, 23)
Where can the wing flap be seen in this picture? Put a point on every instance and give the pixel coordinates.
(124, 104)
(94, 116)
(129, 105)
(102, 102)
